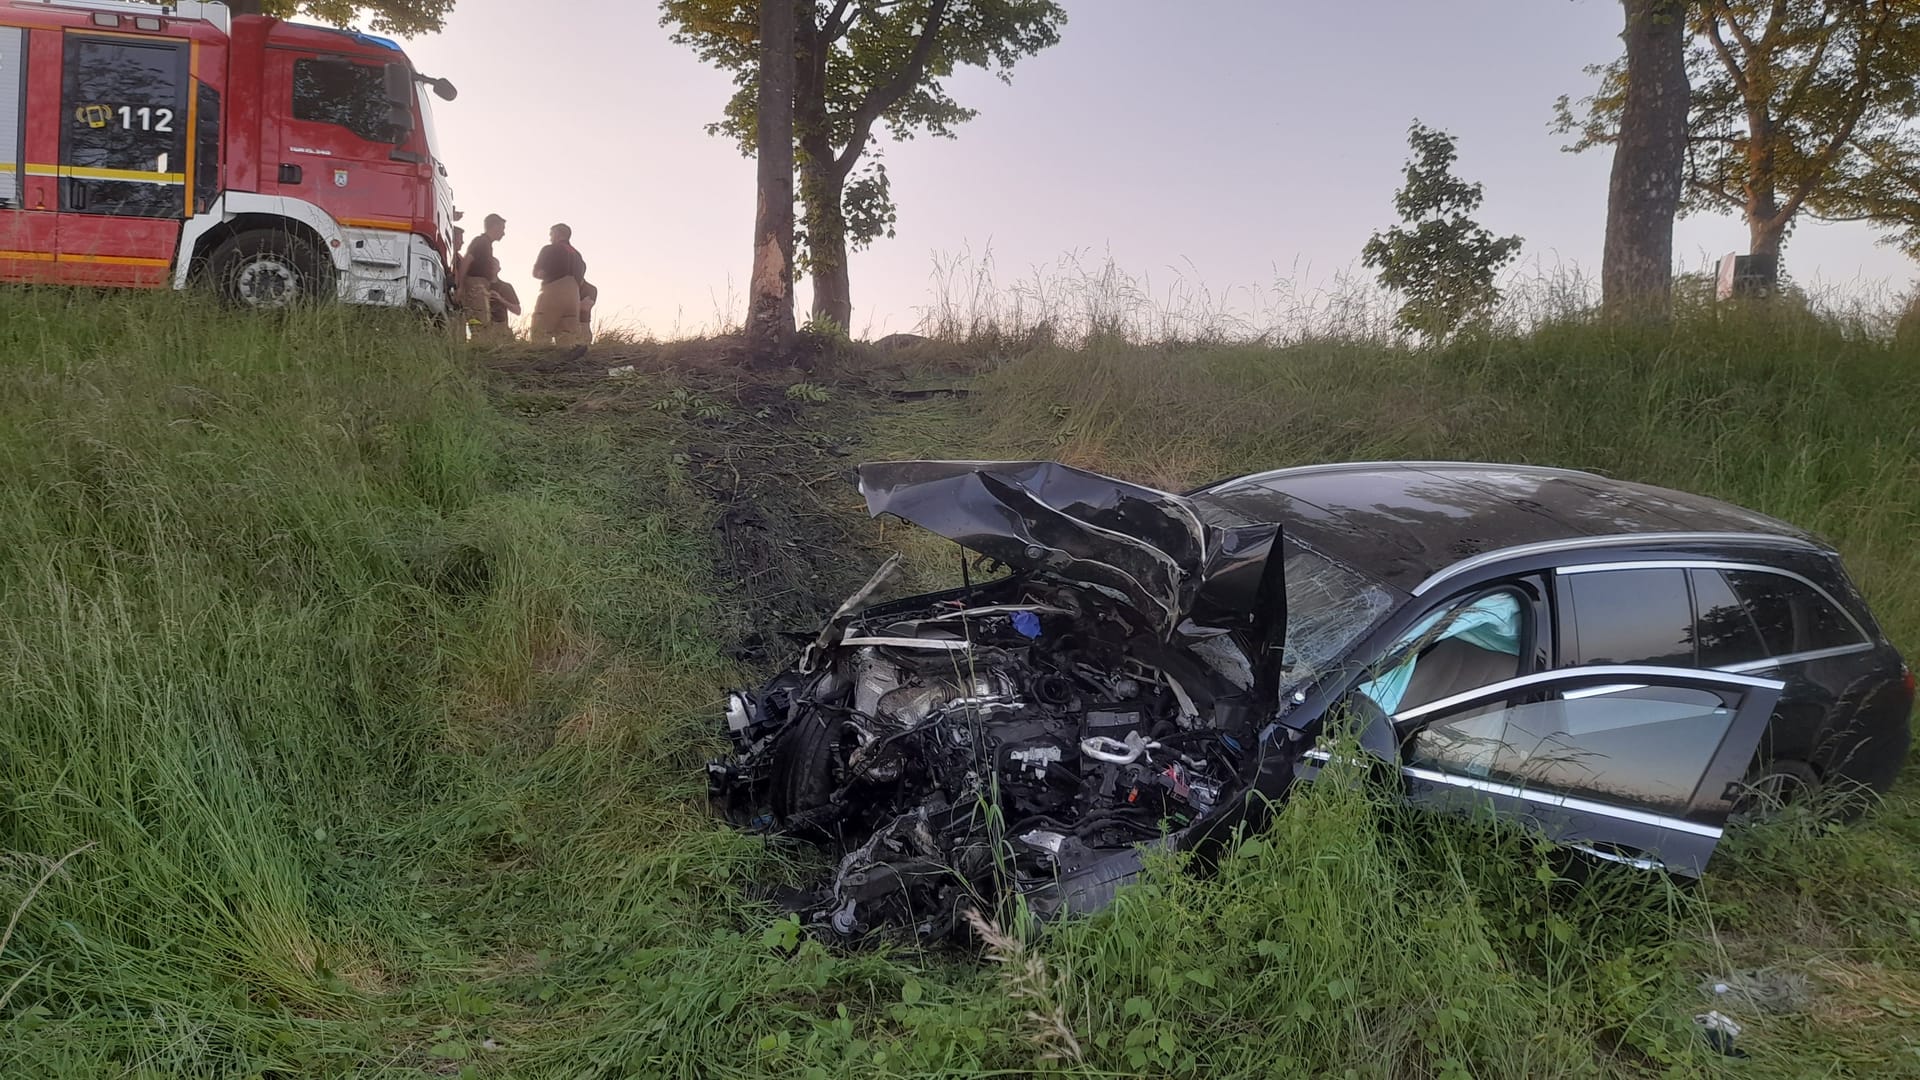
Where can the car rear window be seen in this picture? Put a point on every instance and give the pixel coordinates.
(1792, 617)
(1724, 631)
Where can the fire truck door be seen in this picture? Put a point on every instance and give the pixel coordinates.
(123, 158)
(340, 147)
(26, 237)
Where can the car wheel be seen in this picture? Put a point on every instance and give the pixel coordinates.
(268, 270)
(1771, 786)
(805, 773)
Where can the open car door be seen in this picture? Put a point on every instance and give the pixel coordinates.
(1640, 765)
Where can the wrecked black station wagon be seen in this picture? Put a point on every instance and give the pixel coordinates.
(1617, 665)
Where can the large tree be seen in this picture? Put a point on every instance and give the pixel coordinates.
(384, 16)
(1798, 106)
(1643, 194)
(770, 291)
(862, 66)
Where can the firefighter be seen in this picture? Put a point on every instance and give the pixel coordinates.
(479, 272)
(588, 294)
(560, 270)
(456, 320)
(503, 305)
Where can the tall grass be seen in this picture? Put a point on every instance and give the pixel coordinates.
(253, 575)
(1083, 296)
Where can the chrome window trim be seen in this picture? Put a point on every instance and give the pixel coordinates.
(1721, 564)
(1795, 658)
(1584, 543)
(1620, 673)
(1565, 802)
(1600, 691)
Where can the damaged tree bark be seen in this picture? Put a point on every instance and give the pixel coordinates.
(770, 291)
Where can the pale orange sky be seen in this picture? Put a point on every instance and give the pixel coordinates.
(1227, 142)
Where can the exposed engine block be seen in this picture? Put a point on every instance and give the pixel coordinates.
(944, 745)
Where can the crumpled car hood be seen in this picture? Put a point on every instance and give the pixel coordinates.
(1187, 577)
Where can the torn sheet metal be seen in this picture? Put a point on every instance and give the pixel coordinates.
(1152, 549)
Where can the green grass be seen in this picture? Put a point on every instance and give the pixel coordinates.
(371, 709)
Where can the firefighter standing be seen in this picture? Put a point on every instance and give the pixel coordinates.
(479, 273)
(556, 311)
(588, 294)
(504, 305)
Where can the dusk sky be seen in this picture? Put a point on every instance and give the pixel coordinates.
(1230, 143)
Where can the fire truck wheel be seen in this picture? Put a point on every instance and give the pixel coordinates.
(267, 270)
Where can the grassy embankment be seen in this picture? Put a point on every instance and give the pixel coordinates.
(371, 718)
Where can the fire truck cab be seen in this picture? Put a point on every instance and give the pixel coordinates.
(154, 145)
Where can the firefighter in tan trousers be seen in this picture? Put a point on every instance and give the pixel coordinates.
(479, 271)
(556, 311)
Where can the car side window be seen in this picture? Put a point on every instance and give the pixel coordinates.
(1723, 627)
(1471, 643)
(1639, 616)
(1647, 747)
(1791, 616)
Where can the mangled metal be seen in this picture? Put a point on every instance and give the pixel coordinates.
(1026, 736)
(1149, 549)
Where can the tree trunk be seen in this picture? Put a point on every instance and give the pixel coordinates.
(1766, 225)
(1643, 194)
(823, 193)
(821, 187)
(1766, 235)
(770, 291)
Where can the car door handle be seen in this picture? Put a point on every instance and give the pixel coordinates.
(1638, 862)
(291, 174)
(77, 194)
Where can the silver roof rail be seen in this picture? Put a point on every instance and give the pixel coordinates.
(1366, 466)
(1583, 543)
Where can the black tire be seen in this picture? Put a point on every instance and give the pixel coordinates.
(1770, 786)
(806, 759)
(270, 270)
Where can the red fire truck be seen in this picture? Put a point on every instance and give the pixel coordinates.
(154, 145)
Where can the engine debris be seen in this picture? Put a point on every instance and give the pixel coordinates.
(1025, 736)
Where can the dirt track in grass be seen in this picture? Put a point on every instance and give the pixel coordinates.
(773, 456)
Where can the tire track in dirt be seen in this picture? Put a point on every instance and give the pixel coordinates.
(790, 534)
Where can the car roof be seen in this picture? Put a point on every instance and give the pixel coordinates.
(1406, 521)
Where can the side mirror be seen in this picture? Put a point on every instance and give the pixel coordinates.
(399, 84)
(444, 90)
